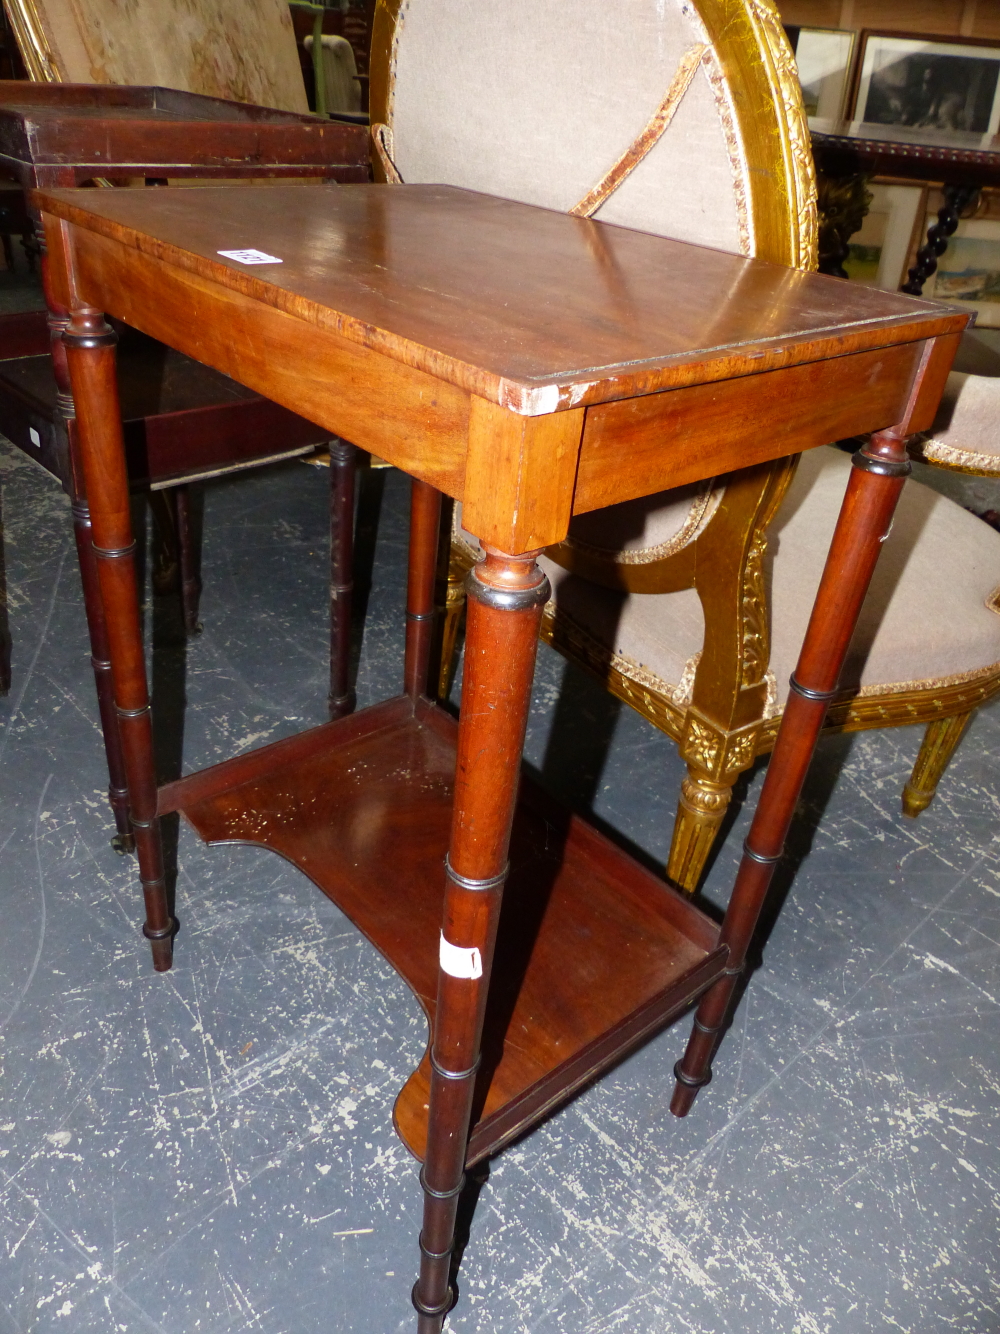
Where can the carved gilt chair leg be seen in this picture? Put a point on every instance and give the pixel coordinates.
(940, 740)
(880, 469)
(700, 811)
(453, 608)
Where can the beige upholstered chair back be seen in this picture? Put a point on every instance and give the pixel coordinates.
(673, 117)
(239, 49)
(683, 119)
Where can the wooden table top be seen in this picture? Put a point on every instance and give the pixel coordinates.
(532, 309)
(105, 124)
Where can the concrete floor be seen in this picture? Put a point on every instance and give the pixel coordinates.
(211, 1149)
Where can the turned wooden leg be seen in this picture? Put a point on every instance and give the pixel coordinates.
(957, 198)
(90, 352)
(100, 662)
(189, 560)
(58, 321)
(453, 608)
(425, 531)
(701, 809)
(940, 740)
(506, 597)
(872, 491)
(343, 469)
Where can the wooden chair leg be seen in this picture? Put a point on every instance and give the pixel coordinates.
(506, 597)
(940, 740)
(343, 471)
(188, 559)
(6, 644)
(166, 561)
(453, 607)
(701, 809)
(866, 514)
(90, 351)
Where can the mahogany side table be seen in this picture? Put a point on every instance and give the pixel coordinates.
(185, 421)
(534, 365)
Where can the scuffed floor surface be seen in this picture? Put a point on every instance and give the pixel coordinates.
(211, 1150)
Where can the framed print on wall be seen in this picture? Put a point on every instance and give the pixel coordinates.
(823, 57)
(928, 87)
(877, 255)
(968, 273)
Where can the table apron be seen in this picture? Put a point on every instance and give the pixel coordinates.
(421, 424)
(415, 421)
(638, 446)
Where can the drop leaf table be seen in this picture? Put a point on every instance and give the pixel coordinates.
(533, 365)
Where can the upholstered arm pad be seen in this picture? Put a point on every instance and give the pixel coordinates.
(966, 433)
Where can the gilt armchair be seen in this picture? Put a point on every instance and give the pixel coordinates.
(690, 125)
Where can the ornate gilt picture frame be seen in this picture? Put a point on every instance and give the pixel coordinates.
(198, 46)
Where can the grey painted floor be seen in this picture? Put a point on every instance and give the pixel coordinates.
(211, 1149)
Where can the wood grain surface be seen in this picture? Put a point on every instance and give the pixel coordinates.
(533, 309)
(596, 947)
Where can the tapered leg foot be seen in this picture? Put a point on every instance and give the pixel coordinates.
(938, 746)
(162, 948)
(694, 1070)
(700, 812)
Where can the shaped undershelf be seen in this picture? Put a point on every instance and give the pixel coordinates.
(594, 953)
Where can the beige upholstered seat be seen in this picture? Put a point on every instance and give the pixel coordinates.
(939, 559)
(966, 434)
(685, 119)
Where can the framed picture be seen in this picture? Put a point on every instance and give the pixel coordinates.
(928, 87)
(878, 253)
(968, 273)
(823, 57)
(225, 48)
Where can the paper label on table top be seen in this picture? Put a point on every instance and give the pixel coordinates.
(249, 256)
(459, 962)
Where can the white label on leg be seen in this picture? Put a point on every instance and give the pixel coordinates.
(459, 962)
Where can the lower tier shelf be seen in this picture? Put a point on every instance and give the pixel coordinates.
(594, 953)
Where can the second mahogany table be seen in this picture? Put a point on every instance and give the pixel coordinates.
(184, 421)
(535, 366)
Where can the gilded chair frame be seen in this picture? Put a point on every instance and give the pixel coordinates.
(728, 721)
